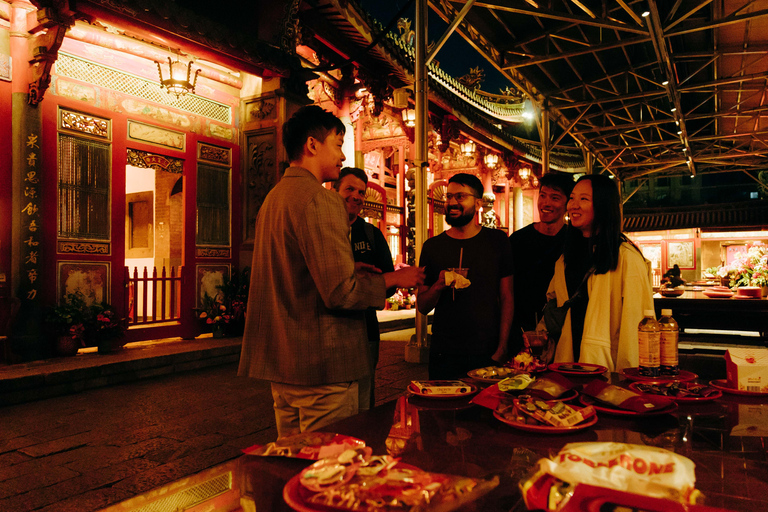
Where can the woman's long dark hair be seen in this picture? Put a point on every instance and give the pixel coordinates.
(606, 237)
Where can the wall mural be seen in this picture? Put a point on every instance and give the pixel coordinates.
(89, 279)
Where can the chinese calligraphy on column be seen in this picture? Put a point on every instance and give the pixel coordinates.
(30, 219)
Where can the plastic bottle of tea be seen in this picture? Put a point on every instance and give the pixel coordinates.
(648, 336)
(668, 340)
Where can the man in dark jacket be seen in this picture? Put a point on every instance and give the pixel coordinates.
(368, 246)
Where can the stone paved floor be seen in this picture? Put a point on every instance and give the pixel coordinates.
(85, 451)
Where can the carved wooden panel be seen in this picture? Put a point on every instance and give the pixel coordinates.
(260, 175)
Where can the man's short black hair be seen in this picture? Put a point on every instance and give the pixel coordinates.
(469, 180)
(354, 171)
(558, 180)
(309, 121)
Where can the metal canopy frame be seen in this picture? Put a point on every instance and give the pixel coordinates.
(645, 87)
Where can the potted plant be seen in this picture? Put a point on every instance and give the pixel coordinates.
(234, 296)
(65, 322)
(103, 328)
(215, 314)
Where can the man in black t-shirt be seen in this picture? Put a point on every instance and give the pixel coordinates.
(470, 327)
(535, 249)
(368, 246)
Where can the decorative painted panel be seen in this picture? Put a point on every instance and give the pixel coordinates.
(214, 154)
(67, 247)
(260, 176)
(85, 123)
(209, 278)
(155, 135)
(91, 279)
(157, 162)
(213, 252)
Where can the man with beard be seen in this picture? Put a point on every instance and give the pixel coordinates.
(535, 249)
(471, 324)
(368, 246)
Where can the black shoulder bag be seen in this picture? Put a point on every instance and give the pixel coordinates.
(554, 315)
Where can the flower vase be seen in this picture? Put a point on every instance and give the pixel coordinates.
(764, 291)
(66, 346)
(105, 346)
(110, 344)
(218, 331)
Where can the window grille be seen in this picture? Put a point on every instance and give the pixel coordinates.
(92, 73)
(212, 205)
(84, 184)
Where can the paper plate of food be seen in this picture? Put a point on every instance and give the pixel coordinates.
(682, 376)
(547, 417)
(672, 292)
(525, 362)
(441, 389)
(619, 401)
(616, 411)
(491, 374)
(307, 445)
(578, 369)
(722, 385)
(377, 479)
(678, 391)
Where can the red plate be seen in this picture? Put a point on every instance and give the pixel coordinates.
(296, 495)
(472, 390)
(722, 385)
(683, 376)
(546, 429)
(588, 369)
(588, 400)
(737, 296)
(634, 387)
(717, 294)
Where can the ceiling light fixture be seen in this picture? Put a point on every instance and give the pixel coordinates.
(674, 109)
(665, 82)
(467, 148)
(646, 14)
(176, 82)
(409, 117)
(491, 160)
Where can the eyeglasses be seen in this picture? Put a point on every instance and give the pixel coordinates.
(461, 196)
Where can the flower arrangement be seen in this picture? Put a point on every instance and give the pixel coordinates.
(234, 296)
(86, 324)
(750, 268)
(213, 311)
(103, 323)
(66, 318)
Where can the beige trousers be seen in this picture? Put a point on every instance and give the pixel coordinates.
(302, 408)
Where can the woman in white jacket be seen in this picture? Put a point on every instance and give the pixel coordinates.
(611, 275)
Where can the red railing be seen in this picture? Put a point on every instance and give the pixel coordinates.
(152, 299)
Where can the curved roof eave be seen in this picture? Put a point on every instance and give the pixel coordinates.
(476, 111)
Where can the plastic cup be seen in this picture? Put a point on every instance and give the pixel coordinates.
(536, 341)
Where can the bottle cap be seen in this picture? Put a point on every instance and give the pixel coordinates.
(649, 312)
(666, 312)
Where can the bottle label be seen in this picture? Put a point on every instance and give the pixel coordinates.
(669, 348)
(649, 348)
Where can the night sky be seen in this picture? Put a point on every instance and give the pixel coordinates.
(456, 57)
